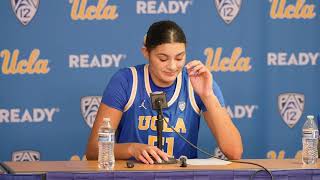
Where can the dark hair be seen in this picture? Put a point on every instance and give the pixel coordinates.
(162, 32)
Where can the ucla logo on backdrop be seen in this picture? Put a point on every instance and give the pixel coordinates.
(25, 10)
(95, 61)
(291, 106)
(242, 111)
(162, 6)
(228, 9)
(76, 157)
(25, 155)
(89, 108)
(280, 9)
(35, 115)
(275, 155)
(80, 10)
(215, 62)
(293, 59)
(281, 155)
(33, 65)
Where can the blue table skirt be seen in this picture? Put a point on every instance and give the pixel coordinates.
(21, 177)
(307, 174)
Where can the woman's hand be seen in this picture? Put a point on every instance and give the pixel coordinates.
(147, 154)
(200, 77)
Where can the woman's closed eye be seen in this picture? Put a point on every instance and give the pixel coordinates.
(163, 58)
(179, 58)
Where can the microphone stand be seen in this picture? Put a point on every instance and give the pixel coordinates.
(159, 124)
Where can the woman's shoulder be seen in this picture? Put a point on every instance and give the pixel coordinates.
(126, 73)
(128, 69)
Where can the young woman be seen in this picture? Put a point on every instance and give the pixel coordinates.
(190, 90)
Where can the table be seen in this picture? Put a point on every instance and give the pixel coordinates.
(58, 170)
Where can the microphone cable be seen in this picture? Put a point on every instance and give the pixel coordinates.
(210, 155)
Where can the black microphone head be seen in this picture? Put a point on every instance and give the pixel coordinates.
(158, 100)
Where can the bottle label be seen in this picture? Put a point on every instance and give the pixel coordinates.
(107, 137)
(308, 133)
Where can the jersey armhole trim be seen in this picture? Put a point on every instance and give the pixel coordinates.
(192, 99)
(134, 88)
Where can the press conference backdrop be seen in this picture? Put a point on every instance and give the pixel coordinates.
(57, 57)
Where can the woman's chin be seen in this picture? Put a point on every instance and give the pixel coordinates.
(169, 81)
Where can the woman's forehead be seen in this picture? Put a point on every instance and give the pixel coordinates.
(170, 48)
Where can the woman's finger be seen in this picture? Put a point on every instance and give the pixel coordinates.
(147, 157)
(202, 70)
(191, 64)
(195, 69)
(162, 154)
(142, 159)
(155, 155)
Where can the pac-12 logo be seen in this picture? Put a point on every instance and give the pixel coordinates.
(228, 9)
(25, 9)
(182, 105)
(89, 108)
(26, 155)
(291, 106)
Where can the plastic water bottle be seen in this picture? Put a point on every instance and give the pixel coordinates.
(106, 145)
(310, 134)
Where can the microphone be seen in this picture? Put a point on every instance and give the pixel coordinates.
(183, 161)
(159, 101)
(130, 164)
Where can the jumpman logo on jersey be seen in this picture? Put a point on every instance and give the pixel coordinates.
(142, 104)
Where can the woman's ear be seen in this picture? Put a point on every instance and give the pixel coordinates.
(145, 53)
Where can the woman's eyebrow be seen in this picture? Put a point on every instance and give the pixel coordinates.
(183, 52)
(163, 54)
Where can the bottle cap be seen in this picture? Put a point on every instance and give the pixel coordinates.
(310, 117)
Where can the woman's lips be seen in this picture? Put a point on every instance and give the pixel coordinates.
(170, 73)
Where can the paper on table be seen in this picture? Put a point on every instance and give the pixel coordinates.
(210, 161)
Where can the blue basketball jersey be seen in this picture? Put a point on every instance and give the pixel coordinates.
(138, 122)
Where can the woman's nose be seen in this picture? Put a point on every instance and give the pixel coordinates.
(172, 65)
